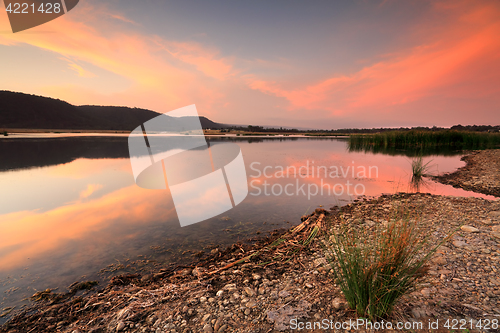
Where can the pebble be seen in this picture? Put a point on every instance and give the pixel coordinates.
(495, 215)
(337, 303)
(468, 228)
(120, 326)
(249, 291)
(440, 260)
(426, 292)
(207, 328)
(458, 243)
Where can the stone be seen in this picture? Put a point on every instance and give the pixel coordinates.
(120, 326)
(458, 243)
(417, 313)
(369, 223)
(230, 287)
(249, 291)
(250, 304)
(495, 235)
(337, 303)
(308, 285)
(283, 293)
(320, 262)
(256, 276)
(495, 215)
(495, 228)
(219, 293)
(439, 260)
(207, 328)
(469, 228)
(426, 292)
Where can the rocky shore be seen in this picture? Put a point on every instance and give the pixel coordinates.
(285, 277)
(481, 173)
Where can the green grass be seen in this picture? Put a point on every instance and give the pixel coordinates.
(424, 141)
(374, 268)
(419, 169)
(5, 133)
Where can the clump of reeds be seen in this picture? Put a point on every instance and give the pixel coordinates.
(374, 268)
(419, 171)
(424, 140)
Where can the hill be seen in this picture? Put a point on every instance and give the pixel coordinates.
(23, 111)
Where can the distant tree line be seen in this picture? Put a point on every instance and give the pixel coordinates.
(471, 128)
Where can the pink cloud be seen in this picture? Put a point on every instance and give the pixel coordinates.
(460, 60)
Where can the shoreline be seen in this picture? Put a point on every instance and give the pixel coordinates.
(480, 174)
(219, 294)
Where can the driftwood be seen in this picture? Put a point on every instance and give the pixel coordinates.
(290, 243)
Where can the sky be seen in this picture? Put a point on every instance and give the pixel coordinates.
(308, 64)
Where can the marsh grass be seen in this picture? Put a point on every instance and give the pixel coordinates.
(374, 268)
(419, 171)
(424, 141)
(419, 168)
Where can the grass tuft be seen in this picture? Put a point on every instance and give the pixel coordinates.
(375, 268)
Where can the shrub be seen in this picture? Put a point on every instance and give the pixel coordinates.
(374, 268)
(5, 133)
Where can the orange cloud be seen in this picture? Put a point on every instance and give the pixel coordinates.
(205, 60)
(462, 59)
(91, 188)
(81, 72)
(174, 73)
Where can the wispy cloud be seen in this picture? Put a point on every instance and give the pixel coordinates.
(91, 189)
(123, 19)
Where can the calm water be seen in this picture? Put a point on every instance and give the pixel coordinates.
(70, 210)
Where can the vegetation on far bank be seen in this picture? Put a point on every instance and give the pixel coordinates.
(424, 141)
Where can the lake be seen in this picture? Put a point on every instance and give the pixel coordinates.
(70, 209)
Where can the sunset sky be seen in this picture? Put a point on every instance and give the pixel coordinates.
(317, 64)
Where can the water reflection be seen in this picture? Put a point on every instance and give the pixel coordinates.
(70, 208)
